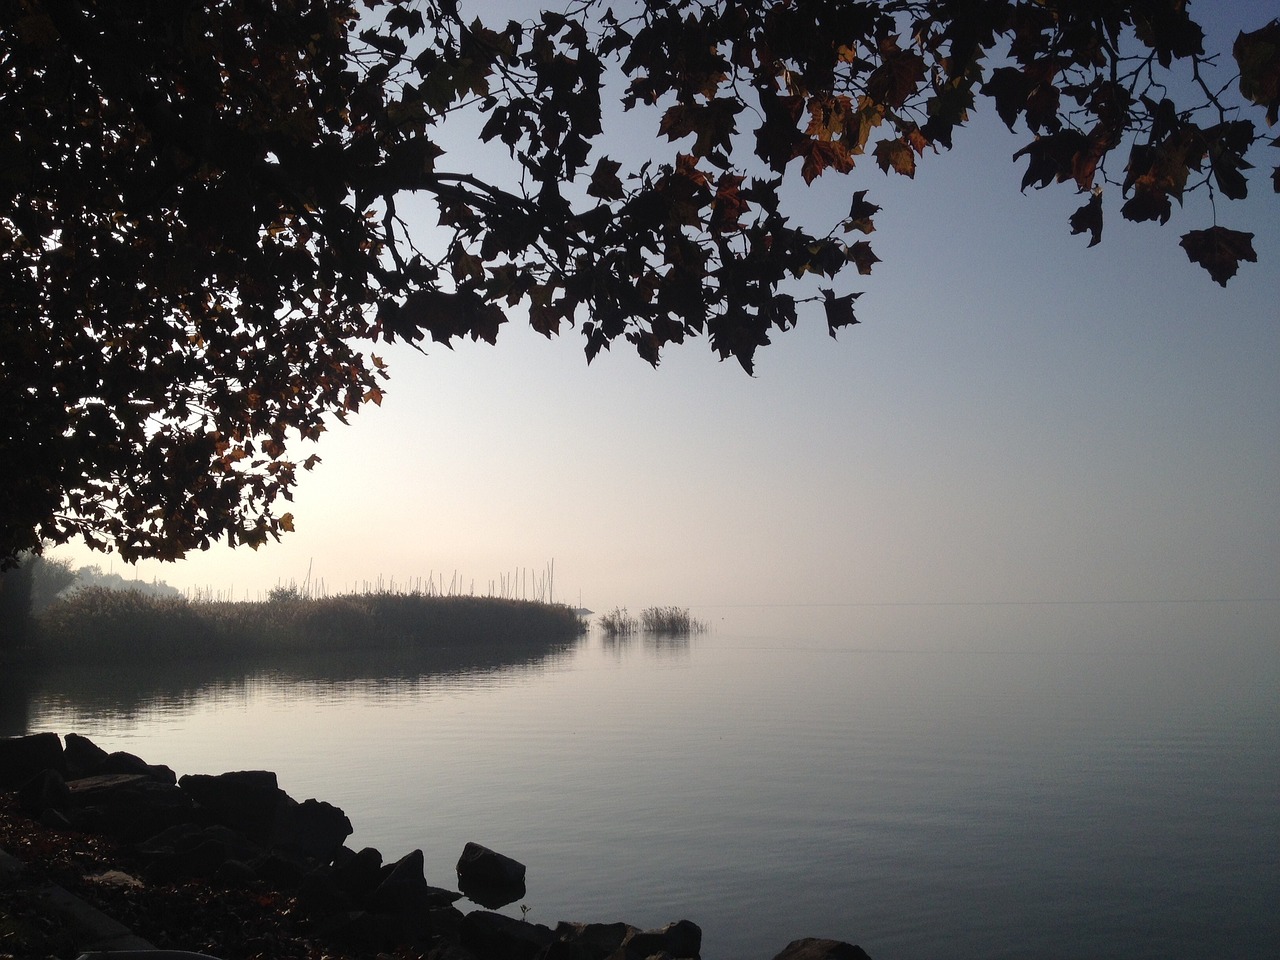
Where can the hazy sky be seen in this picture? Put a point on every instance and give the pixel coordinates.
(1017, 418)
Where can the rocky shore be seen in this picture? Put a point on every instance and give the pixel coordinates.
(232, 866)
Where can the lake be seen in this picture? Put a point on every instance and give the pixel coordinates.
(928, 781)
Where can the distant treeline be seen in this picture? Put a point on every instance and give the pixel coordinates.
(101, 625)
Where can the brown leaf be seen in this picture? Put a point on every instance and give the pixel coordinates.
(897, 78)
(821, 154)
(1258, 56)
(1089, 217)
(1219, 250)
(713, 124)
(604, 180)
(860, 214)
(896, 155)
(839, 310)
(860, 253)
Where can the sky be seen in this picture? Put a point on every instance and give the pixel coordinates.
(1017, 418)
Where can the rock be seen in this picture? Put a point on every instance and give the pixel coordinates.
(46, 791)
(592, 941)
(311, 829)
(496, 937)
(680, 939)
(488, 878)
(278, 870)
(813, 948)
(21, 758)
(202, 860)
(481, 866)
(131, 807)
(188, 851)
(358, 930)
(403, 887)
(245, 800)
(83, 757)
(235, 872)
(187, 836)
(358, 874)
(121, 762)
(322, 895)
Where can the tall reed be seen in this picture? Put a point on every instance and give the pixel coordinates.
(670, 622)
(618, 623)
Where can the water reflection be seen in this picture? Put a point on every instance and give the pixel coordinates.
(96, 693)
(651, 646)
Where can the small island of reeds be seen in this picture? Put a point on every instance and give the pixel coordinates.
(107, 626)
(654, 621)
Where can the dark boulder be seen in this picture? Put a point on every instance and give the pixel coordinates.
(245, 800)
(278, 869)
(84, 758)
(201, 861)
(358, 873)
(488, 878)
(311, 829)
(121, 762)
(483, 867)
(403, 888)
(322, 895)
(44, 792)
(680, 939)
(21, 758)
(189, 850)
(591, 941)
(814, 948)
(363, 932)
(130, 807)
(497, 937)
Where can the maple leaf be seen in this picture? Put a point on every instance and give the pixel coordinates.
(604, 180)
(1052, 157)
(897, 78)
(821, 154)
(1089, 217)
(729, 205)
(1219, 250)
(860, 214)
(1258, 56)
(713, 123)
(1227, 143)
(839, 310)
(829, 117)
(860, 253)
(1009, 87)
(896, 155)
(1147, 204)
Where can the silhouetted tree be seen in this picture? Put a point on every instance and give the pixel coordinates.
(201, 224)
(15, 603)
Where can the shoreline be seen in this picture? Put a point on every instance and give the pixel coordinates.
(259, 874)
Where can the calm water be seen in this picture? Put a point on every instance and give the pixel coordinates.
(1047, 781)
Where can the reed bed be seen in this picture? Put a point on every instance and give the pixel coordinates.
(670, 622)
(118, 625)
(618, 623)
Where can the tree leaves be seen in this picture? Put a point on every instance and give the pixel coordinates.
(1089, 218)
(195, 262)
(1258, 56)
(1219, 251)
(839, 310)
(896, 155)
